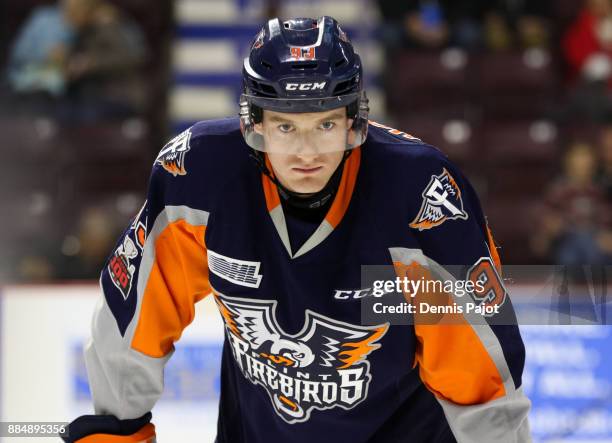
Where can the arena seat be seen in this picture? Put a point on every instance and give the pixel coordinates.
(511, 223)
(428, 81)
(516, 84)
(455, 134)
(517, 142)
(108, 157)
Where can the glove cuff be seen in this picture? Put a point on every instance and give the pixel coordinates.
(108, 428)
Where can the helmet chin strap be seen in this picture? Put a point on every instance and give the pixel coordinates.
(303, 200)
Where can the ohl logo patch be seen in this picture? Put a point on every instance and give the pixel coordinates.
(441, 201)
(323, 366)
(172, 155)
(240, 272)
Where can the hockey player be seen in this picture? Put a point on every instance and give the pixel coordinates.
(273, 214)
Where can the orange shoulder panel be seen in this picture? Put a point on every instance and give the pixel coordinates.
(178, 279)
(453, 362)
(270, 189)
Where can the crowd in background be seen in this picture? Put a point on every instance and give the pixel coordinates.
(82, 62)
(571, 221)
(471, 24)
(574, 222)
(82, 112)
(78, 61)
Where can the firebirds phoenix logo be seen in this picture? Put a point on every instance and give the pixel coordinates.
(321, 367)
(172, 155)
(441, 202)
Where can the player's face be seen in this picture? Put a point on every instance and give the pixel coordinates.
(308, 162)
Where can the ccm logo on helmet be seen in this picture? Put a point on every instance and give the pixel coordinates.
(304, 86)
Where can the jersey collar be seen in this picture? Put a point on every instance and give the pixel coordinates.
(334, 215)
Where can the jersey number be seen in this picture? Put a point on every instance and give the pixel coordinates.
(493, 291)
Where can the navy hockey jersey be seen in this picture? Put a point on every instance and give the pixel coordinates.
(298, 364)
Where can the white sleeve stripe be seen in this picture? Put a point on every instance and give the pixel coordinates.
(502, 420)
(477, 322)
(125, 382)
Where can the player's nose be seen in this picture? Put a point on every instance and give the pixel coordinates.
(306, 160)
(307, 148)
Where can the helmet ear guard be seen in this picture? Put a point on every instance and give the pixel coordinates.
(250, 115)
(256, 113)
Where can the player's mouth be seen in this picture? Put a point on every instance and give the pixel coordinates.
(308, 171)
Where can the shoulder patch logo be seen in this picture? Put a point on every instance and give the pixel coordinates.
(240, 272)
(441, 202)
(121, 269)
(323, 366)
(172, 155)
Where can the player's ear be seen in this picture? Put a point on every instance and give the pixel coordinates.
(350, 133)
(258, 127)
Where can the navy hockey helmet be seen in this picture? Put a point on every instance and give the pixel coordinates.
(303, 65)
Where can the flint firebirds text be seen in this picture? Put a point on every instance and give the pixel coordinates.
(335, 355)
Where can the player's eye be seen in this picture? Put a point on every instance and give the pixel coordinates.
(328, 125)
(285, 127)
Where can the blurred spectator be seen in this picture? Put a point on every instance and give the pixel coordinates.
(81, 60)
(83, 254)
(587, 47)
(465, 19)
(575, 224)
(72, 252)
(104, 66)
(34, 269)
(38, 54)
(413, 24)
(517, 24)
(588, 42)
(439, 23)
(432, 24)
(604, 176)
